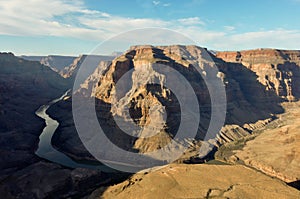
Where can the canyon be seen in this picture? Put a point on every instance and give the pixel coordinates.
(260, 85)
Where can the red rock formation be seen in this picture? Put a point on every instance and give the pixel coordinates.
(247, 99)
(278, 70)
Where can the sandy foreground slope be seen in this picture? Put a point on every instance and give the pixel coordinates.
(276, 151)
(199, 181)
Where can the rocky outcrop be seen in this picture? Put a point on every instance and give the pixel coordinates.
(230, 133)
(199, 181)
(247, 99)
(277, 70)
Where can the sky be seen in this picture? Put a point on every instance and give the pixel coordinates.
(73, 27)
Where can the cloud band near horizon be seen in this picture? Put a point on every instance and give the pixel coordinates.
(72, 19)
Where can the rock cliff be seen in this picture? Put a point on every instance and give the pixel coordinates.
(247, 99)
(278, 70)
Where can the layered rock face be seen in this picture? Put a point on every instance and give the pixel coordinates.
(278, 70)
(142, 100)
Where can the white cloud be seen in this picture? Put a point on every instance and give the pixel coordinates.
(191, 21)
(118, 24)
(279, 38)
(40, 9)
(156, 2)
(229, 28)
(37, 17)
(70, 18)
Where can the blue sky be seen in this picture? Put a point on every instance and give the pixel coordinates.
(72, 27)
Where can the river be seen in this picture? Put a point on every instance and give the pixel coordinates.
(47, 151)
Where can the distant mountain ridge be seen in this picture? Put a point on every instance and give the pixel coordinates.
(90, 63)
(55, 62)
